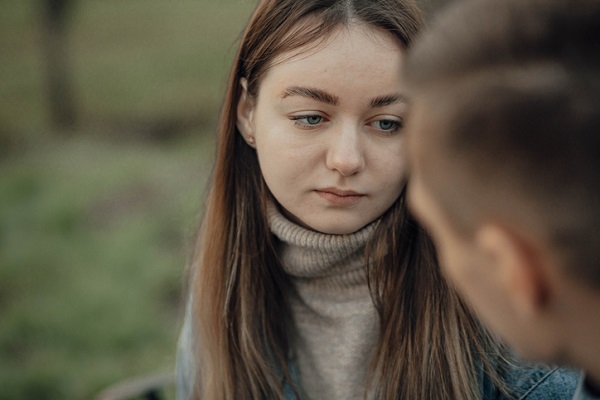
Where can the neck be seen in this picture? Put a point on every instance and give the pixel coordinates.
(318, 259)
(582, 322)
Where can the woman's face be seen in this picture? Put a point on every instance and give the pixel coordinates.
(327, 128)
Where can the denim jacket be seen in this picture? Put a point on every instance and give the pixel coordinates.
(533, 382)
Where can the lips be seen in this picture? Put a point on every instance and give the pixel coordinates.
(340, 197)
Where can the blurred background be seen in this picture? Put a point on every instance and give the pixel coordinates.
(107, 116)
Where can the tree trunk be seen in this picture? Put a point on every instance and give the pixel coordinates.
(61, 99)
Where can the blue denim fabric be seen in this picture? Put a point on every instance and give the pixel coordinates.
(534, 382)
(524, 382)
(288, 393)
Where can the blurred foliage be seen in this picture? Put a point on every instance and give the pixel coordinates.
(91, 250)
(135, 61)
(94, 221)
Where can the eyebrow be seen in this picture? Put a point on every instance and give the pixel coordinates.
(311, 93)
(324, 97)
(383, 101)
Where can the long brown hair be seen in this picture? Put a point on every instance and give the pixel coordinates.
(429, 344)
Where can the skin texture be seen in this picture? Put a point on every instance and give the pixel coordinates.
(326, 125)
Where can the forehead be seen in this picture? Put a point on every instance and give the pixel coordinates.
(357, 53)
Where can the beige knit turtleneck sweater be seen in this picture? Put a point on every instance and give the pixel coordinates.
(335, 325)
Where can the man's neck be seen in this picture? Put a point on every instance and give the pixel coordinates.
(581, 318)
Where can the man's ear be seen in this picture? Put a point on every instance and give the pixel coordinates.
(245, 110)
(519, 265)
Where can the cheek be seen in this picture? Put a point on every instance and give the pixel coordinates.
(284, 170)
(388, 162)
(272, 168)
(270, 148)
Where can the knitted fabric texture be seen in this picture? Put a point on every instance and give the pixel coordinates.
(335, 325)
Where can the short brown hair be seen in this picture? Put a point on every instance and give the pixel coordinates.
(514, 92)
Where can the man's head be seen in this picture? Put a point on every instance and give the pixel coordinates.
(504, 142)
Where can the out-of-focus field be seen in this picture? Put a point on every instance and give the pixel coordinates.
(94, 220)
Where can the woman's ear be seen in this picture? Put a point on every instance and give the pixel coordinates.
(520, 268)
(245, 113)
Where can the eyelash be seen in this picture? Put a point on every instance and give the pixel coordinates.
(396, 125)
(301, 122)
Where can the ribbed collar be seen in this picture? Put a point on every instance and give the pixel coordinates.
(318, 258)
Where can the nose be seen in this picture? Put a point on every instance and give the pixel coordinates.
(346, 153)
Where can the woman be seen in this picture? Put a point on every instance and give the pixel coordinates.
(310, 280)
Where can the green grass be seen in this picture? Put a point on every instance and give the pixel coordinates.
(93, 227)
(92, 251)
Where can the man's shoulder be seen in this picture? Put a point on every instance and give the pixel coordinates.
(537, 382)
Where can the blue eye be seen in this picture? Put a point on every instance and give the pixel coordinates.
(308, 121)
(387, 125)
(311, 119)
